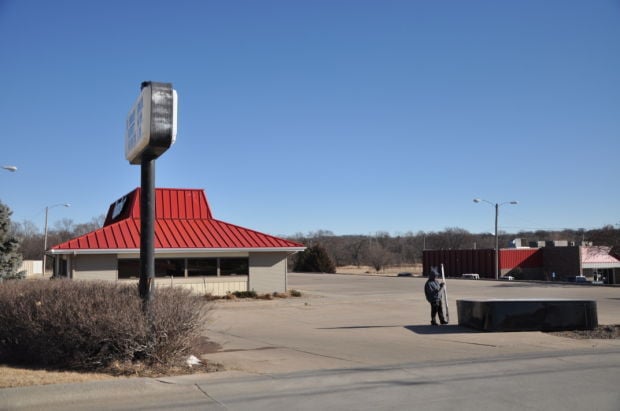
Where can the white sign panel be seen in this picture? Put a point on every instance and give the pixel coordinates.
(151, 124)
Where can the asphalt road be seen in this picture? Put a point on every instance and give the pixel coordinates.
(361, 342)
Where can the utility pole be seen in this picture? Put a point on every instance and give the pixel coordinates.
(496, 206)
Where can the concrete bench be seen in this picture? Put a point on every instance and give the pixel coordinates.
(527, 314)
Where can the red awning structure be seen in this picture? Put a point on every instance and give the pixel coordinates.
(596, 257)
(183, 224)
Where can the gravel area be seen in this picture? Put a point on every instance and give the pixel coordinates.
(602, 332)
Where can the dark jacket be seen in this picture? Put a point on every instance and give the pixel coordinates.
(432, 290)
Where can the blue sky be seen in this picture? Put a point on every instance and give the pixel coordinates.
(299, 115)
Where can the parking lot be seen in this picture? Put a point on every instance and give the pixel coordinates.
(348, 320)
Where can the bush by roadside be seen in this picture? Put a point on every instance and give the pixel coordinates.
(94, 325)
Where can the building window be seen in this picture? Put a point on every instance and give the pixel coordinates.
(201, 266)
(129, 268)
(164, 267)
(169, 267)
(232, 266)
(175, 267)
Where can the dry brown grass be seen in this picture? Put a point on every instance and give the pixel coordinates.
(15, 376)
(22, 377)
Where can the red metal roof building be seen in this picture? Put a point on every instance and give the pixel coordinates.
(189, 243)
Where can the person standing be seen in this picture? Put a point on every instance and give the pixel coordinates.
(432, 291)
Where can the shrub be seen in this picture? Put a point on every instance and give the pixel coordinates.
(295, 293)
(245, 294)
(279, 295)
(314, 259)
(90, 325)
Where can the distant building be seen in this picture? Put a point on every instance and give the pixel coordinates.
(598, 263)
(32, 268)
(566, 261)
(191, 248)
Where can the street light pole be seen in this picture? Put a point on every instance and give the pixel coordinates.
(45, 235)
(496, 205)
(496, 242)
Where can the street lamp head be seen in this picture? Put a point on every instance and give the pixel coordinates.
(10, 168)
(58, 205)
(514, 202)
(477, 200)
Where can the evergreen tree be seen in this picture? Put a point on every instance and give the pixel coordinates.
(10, 259)
(314, 260)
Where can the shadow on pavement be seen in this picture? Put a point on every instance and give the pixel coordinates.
(418, 329)
(353, 327)
(441, 329)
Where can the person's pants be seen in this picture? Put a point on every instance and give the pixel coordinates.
(437, 308)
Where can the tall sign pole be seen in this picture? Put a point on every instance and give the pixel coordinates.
(147, 228)
(151, 129)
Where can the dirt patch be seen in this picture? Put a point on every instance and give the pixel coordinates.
(602, 332)
(387, 271)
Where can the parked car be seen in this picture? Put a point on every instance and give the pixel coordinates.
(507, 278)
(579, 279)
(471, 276)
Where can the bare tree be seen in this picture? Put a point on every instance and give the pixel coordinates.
(378, 256)
(30, 240)
(85, 228)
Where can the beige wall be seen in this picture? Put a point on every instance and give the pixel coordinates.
(94, 267)
(268, 272)
(217, 286)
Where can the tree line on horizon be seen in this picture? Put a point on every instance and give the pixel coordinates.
(31, 240)
(378, 250)
(382, 250)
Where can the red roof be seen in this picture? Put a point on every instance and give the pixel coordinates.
(183, 220)
(598, 257)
